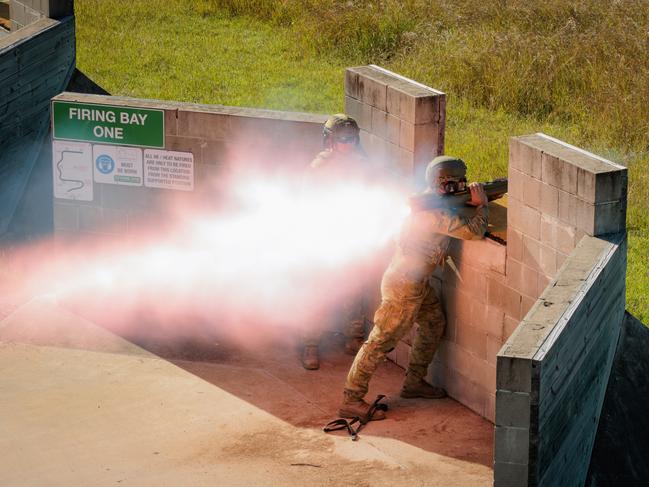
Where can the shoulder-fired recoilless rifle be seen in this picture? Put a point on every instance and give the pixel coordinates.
(427, 201)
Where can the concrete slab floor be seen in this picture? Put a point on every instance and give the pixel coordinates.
(80, 405)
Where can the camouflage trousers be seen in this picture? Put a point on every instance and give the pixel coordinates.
(404, 303)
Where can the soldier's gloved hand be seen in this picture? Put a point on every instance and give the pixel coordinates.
(478, 195)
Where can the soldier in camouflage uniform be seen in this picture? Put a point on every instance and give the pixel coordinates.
(342, 159)
(407, 296)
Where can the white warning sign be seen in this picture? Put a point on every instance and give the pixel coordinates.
(117, 165)
(169, 169)
(72, 170)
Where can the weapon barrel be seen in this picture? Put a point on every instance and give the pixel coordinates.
(494, 189)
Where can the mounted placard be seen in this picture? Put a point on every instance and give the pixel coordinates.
(107, 124)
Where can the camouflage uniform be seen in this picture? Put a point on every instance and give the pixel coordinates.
(407, 296)
(330, 167)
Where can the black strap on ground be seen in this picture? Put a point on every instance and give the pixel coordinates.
(348, 424)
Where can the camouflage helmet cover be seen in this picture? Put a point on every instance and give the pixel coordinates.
(339, 125)
(444, 168)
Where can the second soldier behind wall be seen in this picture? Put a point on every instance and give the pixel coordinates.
(342, 159)
(406, 294)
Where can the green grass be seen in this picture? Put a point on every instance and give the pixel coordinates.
(578, 71)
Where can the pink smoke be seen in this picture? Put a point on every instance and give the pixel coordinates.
(276, 256)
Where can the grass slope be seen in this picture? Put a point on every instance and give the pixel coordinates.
(576, 70)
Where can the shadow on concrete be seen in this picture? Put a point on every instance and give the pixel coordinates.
(272, 378)
(622, 441)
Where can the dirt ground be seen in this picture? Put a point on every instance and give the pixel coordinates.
(83, 406)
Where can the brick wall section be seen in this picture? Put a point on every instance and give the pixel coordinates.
(36, 63)
(219, 138)
(26, 12)
(558, 193)
(553, 371)
(402, 122)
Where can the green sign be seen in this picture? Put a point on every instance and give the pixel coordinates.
(108, 124)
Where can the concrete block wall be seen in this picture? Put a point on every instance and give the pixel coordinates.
(26, 12)
(218, 137)
(558, 193)
(36, 64)
(553, 371)
(402, 121)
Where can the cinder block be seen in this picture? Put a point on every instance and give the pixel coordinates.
(515, 183)
(511, 444)
(601, 218)
(490, 378)
(66, 218)
(513, 409)
(524, 218)
(566, 238)
(393, 131)
(377, 149)
(515, 245)
(532, 192)
(601, 187)
(406, 162)
(466, 391)
(506, 474)
(547, 260)
(514, 274)
(490, 408)
(413, 106)
(379, 123)
(510, 326)
(17, 11)
(90, 219)
(461, 360)
(214, 152)
(529, 284)
(568, 204)
(561, 258)
(352, 84)
(531, 252)
(213, 126)
(115, 221)
(494, 344)
(496, 292)
(353, 109)
(544, 282)
(526, 303)
(513, 373)
(462, 310)
(372, 92)
(473, 340)
(513, 301)
(549, 204)
(559, 173)
(393, 155)
(407, 135)
(488, 318)
(525, 158)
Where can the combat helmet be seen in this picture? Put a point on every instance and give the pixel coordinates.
(447, 172)
(339, 125)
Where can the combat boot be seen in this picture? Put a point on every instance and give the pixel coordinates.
(420, 388)
(357, 408)
(355, 336)
(310, 359)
